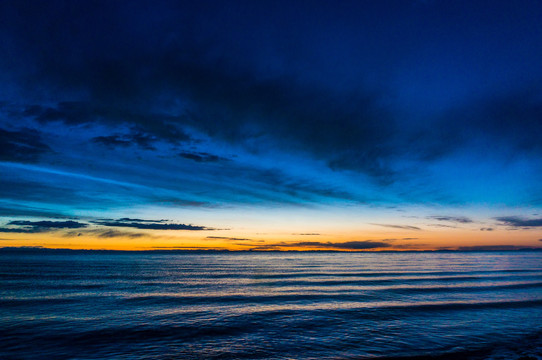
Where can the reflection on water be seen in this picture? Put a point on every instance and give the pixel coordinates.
(270, 305)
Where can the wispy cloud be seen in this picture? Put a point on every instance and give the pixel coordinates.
(107, 233)
(139, 138)
(457, 219)
(227, 238)
(20, 230)
(202, 157)
(115, 233)
(493, 248)
(27, 211)
(349, 245)
(23, 145)
(515, 221)
(443, 226)
(70, 224)
(151, 225)
(393, 226)
(25, 226)
(140, 220)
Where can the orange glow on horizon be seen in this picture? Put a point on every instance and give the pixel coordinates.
(284, 241)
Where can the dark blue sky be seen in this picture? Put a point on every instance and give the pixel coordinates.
(374, 112)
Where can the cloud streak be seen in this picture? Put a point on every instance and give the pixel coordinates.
(109, 234)
(519, 222)
(147, 225)
(227, 238)
(457, 219)
(24, 145)
(349, 245)
(403, 227)
(25, 226)
(315, 245)
(44, 224)
(493, 248)
(141, 139)
(202, 157)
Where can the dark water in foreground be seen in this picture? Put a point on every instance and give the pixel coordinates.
(271, 305)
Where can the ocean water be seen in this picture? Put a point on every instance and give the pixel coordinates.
(443, 305)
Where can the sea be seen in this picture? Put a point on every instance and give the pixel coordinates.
(270, 305)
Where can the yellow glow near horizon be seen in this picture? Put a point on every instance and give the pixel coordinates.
(397, 239)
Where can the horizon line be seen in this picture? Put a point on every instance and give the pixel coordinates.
(12, 249)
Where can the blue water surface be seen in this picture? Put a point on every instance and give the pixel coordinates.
(444, 305)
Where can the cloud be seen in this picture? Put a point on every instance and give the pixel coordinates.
(510, 119)
(516, 221)
(174, 201)
(228, 238)
(265, 247)
(20, 230)
(307, 234)
(458, 219)
(141, 220)
(202, 157)
(143, 140)
(404, 227)
(486, 229)
(25, 226)
(443, 226)
(146, 127)
(24, 145)
(349, 245)
(107, 234)
(513, 118)
(169, 80)
(288, 188)
(21, 210)
(44, 224)
(149, 225)
(173, 70)
(493, 248)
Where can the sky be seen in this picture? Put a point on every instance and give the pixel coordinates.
(271, 125)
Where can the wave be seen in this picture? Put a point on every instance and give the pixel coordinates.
(315, 298)
(303, 306)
